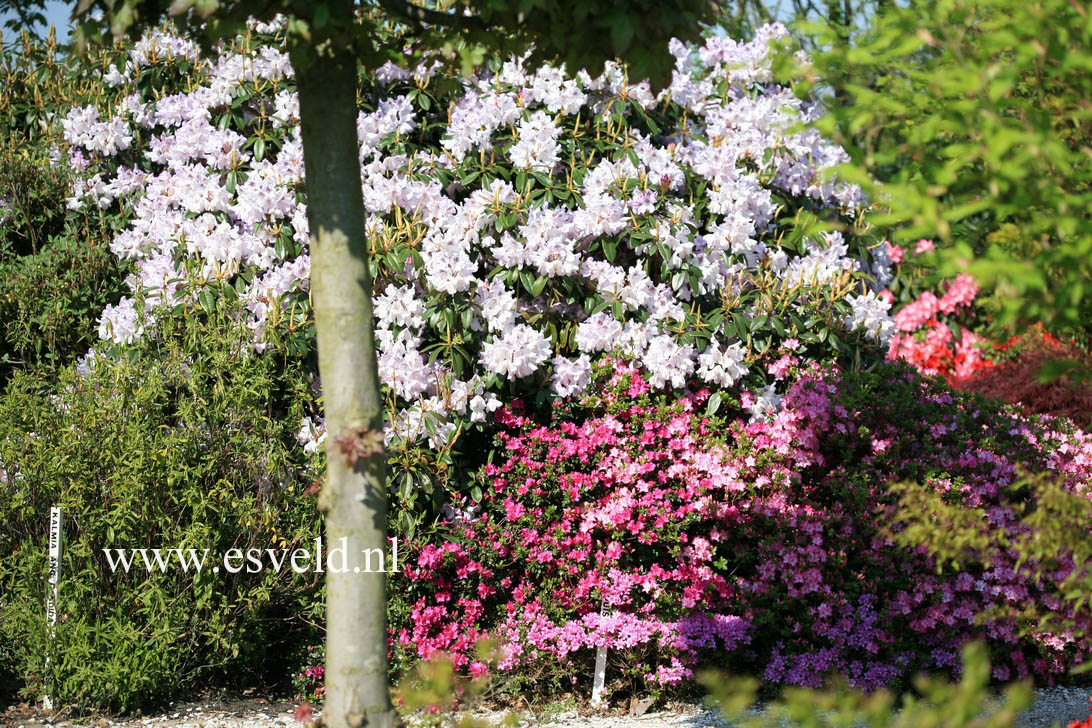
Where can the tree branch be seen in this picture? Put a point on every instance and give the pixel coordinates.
(433, 17)
(27, 14)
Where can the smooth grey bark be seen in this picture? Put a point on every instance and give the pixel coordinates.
(353, 498)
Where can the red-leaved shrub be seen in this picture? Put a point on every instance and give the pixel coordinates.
(1017, 381)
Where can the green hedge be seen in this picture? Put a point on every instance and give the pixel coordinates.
(189, 443)
(50, 302)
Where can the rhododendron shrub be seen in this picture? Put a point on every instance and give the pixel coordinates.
(937, 325)
(673, 537)
(933, 336)
(520, 226)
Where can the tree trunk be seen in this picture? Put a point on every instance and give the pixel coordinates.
(353, 497)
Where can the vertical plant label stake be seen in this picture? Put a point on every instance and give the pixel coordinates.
(600, 676)
(55, 547)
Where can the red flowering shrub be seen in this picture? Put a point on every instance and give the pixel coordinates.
(934, 334)
(937, 335)
(674, 537)
(936, 331)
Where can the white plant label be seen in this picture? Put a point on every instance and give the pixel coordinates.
(600, 676)
(55, 546)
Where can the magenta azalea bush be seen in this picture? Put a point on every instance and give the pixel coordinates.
(674, 538)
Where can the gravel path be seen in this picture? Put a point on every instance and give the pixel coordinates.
(1053, 706)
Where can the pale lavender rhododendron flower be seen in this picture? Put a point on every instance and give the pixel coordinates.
(208, 206)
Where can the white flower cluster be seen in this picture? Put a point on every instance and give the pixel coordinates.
(278, 23)
(537, 146)
(488, 248)
(723, 367)
(82, 128)
(516, 354)
(154, 48)
(121, 323)
(871, 314)
(312, 434)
